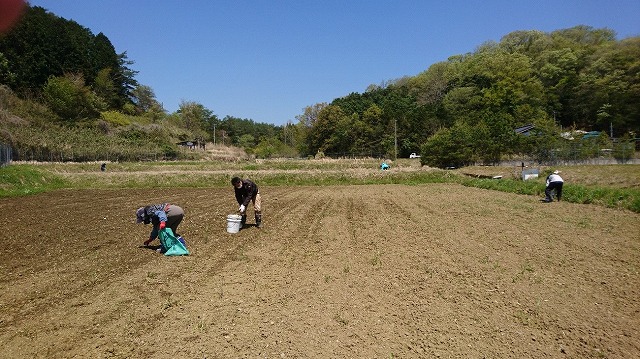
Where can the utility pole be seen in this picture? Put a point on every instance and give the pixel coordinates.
(395, 135)
(554, 120)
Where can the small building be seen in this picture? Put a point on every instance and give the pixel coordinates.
(188, 144)
(525, 130)
(192, 145)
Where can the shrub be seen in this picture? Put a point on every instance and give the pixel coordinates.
(624, 149)
(449, 147)
(69, 98)
(115, 118)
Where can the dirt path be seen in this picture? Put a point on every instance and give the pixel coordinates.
(384, 271)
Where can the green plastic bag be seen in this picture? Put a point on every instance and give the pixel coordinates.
(170, 244)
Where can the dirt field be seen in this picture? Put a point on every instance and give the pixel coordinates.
(432, 271)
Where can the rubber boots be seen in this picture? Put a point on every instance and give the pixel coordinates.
(243, 220)
(259, 220)
(182, 241)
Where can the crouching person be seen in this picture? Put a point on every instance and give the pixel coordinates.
(161, 216)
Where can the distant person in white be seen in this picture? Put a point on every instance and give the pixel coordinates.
(554, 183)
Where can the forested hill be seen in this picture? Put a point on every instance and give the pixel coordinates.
(466, 109)
(67, 94)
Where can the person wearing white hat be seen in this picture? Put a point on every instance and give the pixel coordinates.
(554, 184)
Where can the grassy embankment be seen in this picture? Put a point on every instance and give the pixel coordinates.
(614, 186)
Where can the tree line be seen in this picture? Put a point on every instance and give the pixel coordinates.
(466, 109)
(60, 83)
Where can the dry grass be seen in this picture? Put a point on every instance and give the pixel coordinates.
(224, 153)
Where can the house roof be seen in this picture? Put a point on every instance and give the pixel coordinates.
(524, 130)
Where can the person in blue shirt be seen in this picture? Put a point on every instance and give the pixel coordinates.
(160, 216)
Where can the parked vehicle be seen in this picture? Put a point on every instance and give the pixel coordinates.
(414, 155)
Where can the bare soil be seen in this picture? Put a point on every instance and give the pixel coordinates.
(379, 271)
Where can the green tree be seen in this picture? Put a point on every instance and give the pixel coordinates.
(273, 147)
(144, 98)
(234, 128)
(104, 89)
(124, 77)
(432, 85)
(320, 136)
(6, 76)
(44, 45)
(310, 115)
(105, 65)
(449, 147)
(542, 142)
(69, 98)
(624, 148)
(527, 42)
(305, 123)
(246, 141)
(193, 115)
(610, 86)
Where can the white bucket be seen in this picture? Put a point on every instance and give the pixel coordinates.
(234, 222)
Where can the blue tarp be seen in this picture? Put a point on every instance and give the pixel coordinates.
(170, 244)
(591, 134)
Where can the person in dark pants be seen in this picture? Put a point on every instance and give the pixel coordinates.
(160, 216)
(554, 184)
(247, 191)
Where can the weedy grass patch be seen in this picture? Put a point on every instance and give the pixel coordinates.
(618, 189)
(604, 196)
(26, 180)
(611, 197)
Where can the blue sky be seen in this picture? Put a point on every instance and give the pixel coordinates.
(267, 60)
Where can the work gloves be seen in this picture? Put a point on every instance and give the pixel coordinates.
(162, 226)
(242, 208)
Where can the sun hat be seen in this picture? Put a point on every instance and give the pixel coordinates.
(140, 215)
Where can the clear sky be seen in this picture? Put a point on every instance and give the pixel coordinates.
(266, 60)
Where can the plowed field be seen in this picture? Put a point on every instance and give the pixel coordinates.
(377, 271)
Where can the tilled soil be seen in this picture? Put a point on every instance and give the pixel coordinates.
(378, 271)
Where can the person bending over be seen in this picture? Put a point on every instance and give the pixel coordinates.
(247, 191)
(160, 216)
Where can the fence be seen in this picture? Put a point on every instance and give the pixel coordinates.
(42, 154)
(5, 154)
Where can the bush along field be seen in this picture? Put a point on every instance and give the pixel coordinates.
(613, 186)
